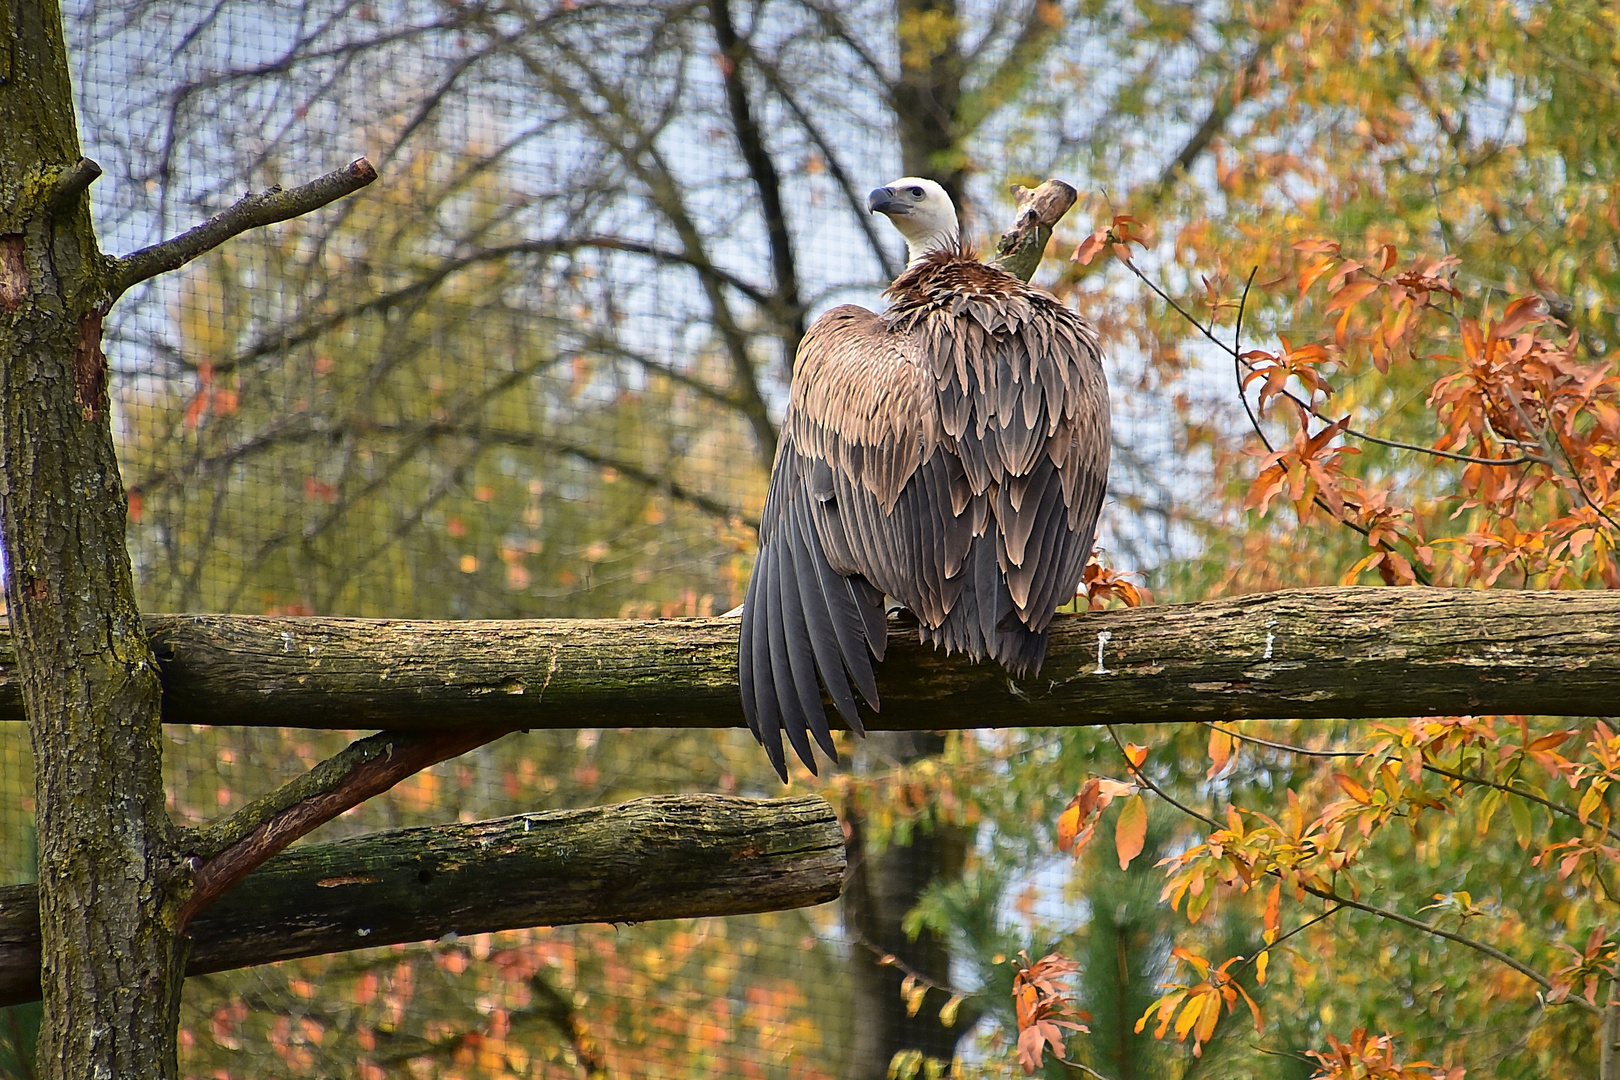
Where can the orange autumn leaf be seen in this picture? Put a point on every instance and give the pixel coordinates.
(1130, 831)
(1220, 752)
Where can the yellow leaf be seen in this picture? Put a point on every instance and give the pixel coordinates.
(1220, 752)
(1130, 831)
(1590, 802)
(1353, 789)
(1068, 825)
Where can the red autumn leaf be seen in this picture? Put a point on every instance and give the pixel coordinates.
(1089, 247)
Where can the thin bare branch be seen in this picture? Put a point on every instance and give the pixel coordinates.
(852, 196)
(536, 441)
(1418, 573)
(1220, 111)
(1036, 34)
(637, 150)
(1461, 939)
(249, 212)
(1148, 783)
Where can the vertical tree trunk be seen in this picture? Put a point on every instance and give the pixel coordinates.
(929, 93)
(107, 864)
(1609, 1036)
(881, 887)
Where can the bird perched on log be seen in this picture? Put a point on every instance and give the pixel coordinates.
(950, 453)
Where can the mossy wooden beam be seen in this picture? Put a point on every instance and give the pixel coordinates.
(1350, 652)
(669, 857)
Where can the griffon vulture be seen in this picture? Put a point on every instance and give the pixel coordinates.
(950, 453)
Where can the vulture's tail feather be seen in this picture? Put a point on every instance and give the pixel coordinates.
(830, 635)
(1021, 650)
(869, 602)
(787, 694)
(987, 588)
(745, 657)
(805, 626)
(970, 627)
(985, 621)
(801, 647)
(758, 620)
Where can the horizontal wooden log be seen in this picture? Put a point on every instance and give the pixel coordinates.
(669, 857)
(1351, 652)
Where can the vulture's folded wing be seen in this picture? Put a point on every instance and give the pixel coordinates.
(1023, 403)
(860, 421)
(951, 454)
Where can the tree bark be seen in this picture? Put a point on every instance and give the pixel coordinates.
(927, 94)
(1325, 653)
(669, 857)
(110, 882)
(886, 880)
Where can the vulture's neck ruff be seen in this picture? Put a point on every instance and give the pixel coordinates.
(953, 270)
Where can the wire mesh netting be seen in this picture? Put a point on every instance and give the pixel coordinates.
(532, 372)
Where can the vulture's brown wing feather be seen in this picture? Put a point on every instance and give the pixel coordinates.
(816, 597)
(1024, 406)
(952, 454)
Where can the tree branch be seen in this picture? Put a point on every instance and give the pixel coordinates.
(1383, 913)
(249, 212)
(852, 197)
(1220, 111)
(1461, 939)
(638, 151)
(667, 857)
(1428, 766)
(536, 441)
(233, 847)
(762, 170)
(1609, 1036)
(1333, 653)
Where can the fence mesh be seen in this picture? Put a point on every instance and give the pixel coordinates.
(532, 372)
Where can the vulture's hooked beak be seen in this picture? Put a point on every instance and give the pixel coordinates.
(883, 200)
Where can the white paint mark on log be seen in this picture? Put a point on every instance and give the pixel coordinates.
(1103, 637)
(286, 641)
(1270, 638)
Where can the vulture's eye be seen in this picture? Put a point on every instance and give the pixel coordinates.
(916, 193)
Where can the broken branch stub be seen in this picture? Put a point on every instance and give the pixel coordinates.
(1020, 248)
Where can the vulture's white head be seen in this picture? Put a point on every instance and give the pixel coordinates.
(922, 212)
